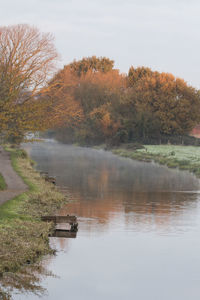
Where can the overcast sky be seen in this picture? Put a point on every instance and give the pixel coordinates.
(161, 34)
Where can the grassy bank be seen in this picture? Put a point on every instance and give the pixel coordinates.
(182, 157)
(23, 236)
(2, 183)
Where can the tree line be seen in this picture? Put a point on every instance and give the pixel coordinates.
(88, 101)
(107, 106)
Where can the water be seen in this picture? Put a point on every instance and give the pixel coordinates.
(139, 228)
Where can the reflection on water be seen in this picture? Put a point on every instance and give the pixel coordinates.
(139, 226)
(27, 280)
(62, 233)
(106, 187)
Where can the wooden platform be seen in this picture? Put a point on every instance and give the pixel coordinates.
(72, 220)
(60, 219)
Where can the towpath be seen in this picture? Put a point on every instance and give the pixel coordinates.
(15, 185)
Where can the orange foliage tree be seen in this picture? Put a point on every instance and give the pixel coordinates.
(62, 110)
(174, 104)
(92, 64)
(92, 102)
(97, 93)
(82, 101)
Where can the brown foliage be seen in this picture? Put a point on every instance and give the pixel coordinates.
(77, 100)
(175, 104)
(93, 64)
(62, 110)
(103, 106)
(26, 61)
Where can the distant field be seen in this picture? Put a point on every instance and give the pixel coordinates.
(182, 157)
(190, 153)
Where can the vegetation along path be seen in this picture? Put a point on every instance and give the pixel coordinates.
(15, 184)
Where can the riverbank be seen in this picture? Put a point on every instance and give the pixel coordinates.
(23, 236)
(182, 157)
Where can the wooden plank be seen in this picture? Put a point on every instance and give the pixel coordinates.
(61, 233)
(60, 219)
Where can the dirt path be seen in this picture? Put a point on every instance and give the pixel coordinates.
(15, 185)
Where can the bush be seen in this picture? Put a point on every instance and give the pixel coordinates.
(22, 153)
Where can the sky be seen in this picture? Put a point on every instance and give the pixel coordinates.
(160, 34)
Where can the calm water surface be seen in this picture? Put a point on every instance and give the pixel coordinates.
(139, 228)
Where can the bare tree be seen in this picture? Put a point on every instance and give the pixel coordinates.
(27, 59)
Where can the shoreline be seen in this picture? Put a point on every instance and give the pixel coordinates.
(185, 158)
(24, 238)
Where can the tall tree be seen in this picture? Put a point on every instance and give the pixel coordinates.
(27, 59)
(93, 94)
(172, 102)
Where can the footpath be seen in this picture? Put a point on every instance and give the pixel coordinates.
(15, 185)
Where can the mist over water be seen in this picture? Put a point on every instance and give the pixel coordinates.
(139, 227)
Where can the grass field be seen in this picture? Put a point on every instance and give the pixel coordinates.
(182, 157)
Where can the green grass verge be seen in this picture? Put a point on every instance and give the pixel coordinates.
(3, 185)
(23, 236)
(182, 157)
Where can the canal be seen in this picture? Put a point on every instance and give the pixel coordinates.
(139, 228)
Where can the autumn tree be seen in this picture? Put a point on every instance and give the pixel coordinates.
(93, 104)
(93, 94)
(173, 103)
(97, 93)
(62, 110)
(81, 99)
(68, 87)
(92, 64)
(135, 74)
(27, 59)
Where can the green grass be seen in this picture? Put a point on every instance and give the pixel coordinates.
(3, 185)
(10, 209)
(182, 157)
